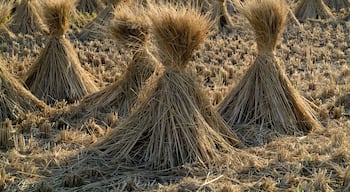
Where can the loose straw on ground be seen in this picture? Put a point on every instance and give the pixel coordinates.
(131, 29)
(265, 104)
(27, 18)
(57, 74)
(93, 29)
(312, 9)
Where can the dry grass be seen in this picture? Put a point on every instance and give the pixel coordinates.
(57, 74)
(27, 18)
(315, 9)
(264, 104)
(128, 28)
(5, 33)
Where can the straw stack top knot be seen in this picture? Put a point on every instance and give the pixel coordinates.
(56, 15)
(129, 27)
(5, 10)
(178, 31)
(268, 18)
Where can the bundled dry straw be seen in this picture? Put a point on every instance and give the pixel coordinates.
(93, 29)
(90, 6)
(57, 74)
(27, 18)
(313, 9)
(174, 124)
(5, 33)
(131, 29)
(265, 104)
(14, 98)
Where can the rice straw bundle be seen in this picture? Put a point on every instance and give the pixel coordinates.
(337, 4)
(313, 9)
(90, 6)
(174, 123)
(5, 33)
(93, 29)
(57, 74)
(14, 98)
(27, 18)
(220, 15)
(128, 28)
(265, 104)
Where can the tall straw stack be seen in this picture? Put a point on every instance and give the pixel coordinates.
(14, 98)
(337, 4)
(131, 29)
(27, 18)
(5, 33)
(90, 6)
(313, 9)
(93, 29)
(265, 104)
(57, 74)
(174, 124)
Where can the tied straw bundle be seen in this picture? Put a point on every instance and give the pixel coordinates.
(174, 124)
(27, 18)
(57, 74)
(312, 9)
(265, 104)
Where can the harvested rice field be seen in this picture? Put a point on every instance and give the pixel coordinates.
(163, 98)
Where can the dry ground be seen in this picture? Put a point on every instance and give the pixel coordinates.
(316, 57)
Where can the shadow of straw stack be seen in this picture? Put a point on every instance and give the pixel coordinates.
(27, 18)
(57, 74)
(312, 9)
(130, 29)
(265, 104)
(174, 124)
(14, 98)
(93, 29)
(5, 33)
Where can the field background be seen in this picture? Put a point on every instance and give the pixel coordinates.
(316, 58)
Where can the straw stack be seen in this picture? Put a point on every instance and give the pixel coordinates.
(265, 104)
(57, 74)
(174, 124)
(93, 29)
(313, 9)
(14, 98)
(27, 18)
(130, 29)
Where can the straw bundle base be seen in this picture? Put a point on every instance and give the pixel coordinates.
(315, 9)
(57, 74)
(265, 105)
